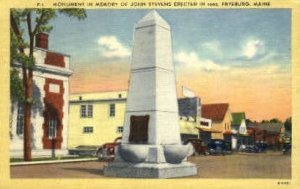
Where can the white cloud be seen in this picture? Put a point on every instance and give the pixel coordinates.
(191, 60)
(253, 48)
(213, 46)
(110, 47)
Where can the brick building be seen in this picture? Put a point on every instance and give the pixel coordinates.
(50, 103)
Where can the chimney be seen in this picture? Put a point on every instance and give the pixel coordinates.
(41, 40)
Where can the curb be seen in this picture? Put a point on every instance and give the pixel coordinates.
(52, 161)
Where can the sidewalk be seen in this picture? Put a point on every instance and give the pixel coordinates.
(52, 161)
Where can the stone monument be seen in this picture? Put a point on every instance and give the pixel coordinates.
(151, 145)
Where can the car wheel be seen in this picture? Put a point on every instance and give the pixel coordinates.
(100, 155)
(94, 154)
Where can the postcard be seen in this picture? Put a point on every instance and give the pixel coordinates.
(143, 94)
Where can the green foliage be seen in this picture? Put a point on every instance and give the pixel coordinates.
(42, 18)
(288, 124)
(80, 14)
(16, 87)
(249, 121)
(14, 44)
(275, 120)
(29, 62)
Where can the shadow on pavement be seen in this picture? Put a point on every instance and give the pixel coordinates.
(95, 171)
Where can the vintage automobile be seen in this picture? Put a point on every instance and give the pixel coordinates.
(286, 148)
(107, 150)
(218, 147)
(199, 147)
(262, 146)
(254, 148)
(83, 150)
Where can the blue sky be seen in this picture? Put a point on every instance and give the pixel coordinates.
(219, 35)
(236, 56)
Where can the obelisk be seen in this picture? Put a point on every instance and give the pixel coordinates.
(151, 145)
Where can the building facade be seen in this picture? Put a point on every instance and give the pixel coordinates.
(239, 130)
(97, 118)
(270, 133)
(50, 104)
(189, 109)
(220, 120)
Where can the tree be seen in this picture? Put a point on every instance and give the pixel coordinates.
(248, 121)
(16, 94)
(288, 124)
(35, 21)
(275, 120)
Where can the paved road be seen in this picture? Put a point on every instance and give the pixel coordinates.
(264, 165)
(267, 165)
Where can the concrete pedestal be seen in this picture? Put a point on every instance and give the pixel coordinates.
(149, 170)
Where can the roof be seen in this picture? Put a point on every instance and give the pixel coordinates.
(269, 127)
(152, 18)
(215, 112)
(237, 118)
(98, 96)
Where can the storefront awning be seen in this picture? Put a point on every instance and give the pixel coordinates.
(228, 133)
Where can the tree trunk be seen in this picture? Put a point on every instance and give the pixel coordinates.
(27, 117)
(28, 97)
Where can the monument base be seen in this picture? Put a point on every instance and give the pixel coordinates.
(149, 170)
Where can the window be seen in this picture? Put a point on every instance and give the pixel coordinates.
(88, 129)
(120, 129)
(83, 111)
(120, 95)
(112, 110)
(90, 110)
(86, 110)
(20, 120)
(52, 124)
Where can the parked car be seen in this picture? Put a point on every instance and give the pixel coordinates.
(198, 145)
(217, 147)
(228, 147)
(249, 148)
(286, 148)
(262, 146)
(254, 148)
(107, 150)
(84, 150)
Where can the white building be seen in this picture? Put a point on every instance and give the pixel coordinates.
(51, 103)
